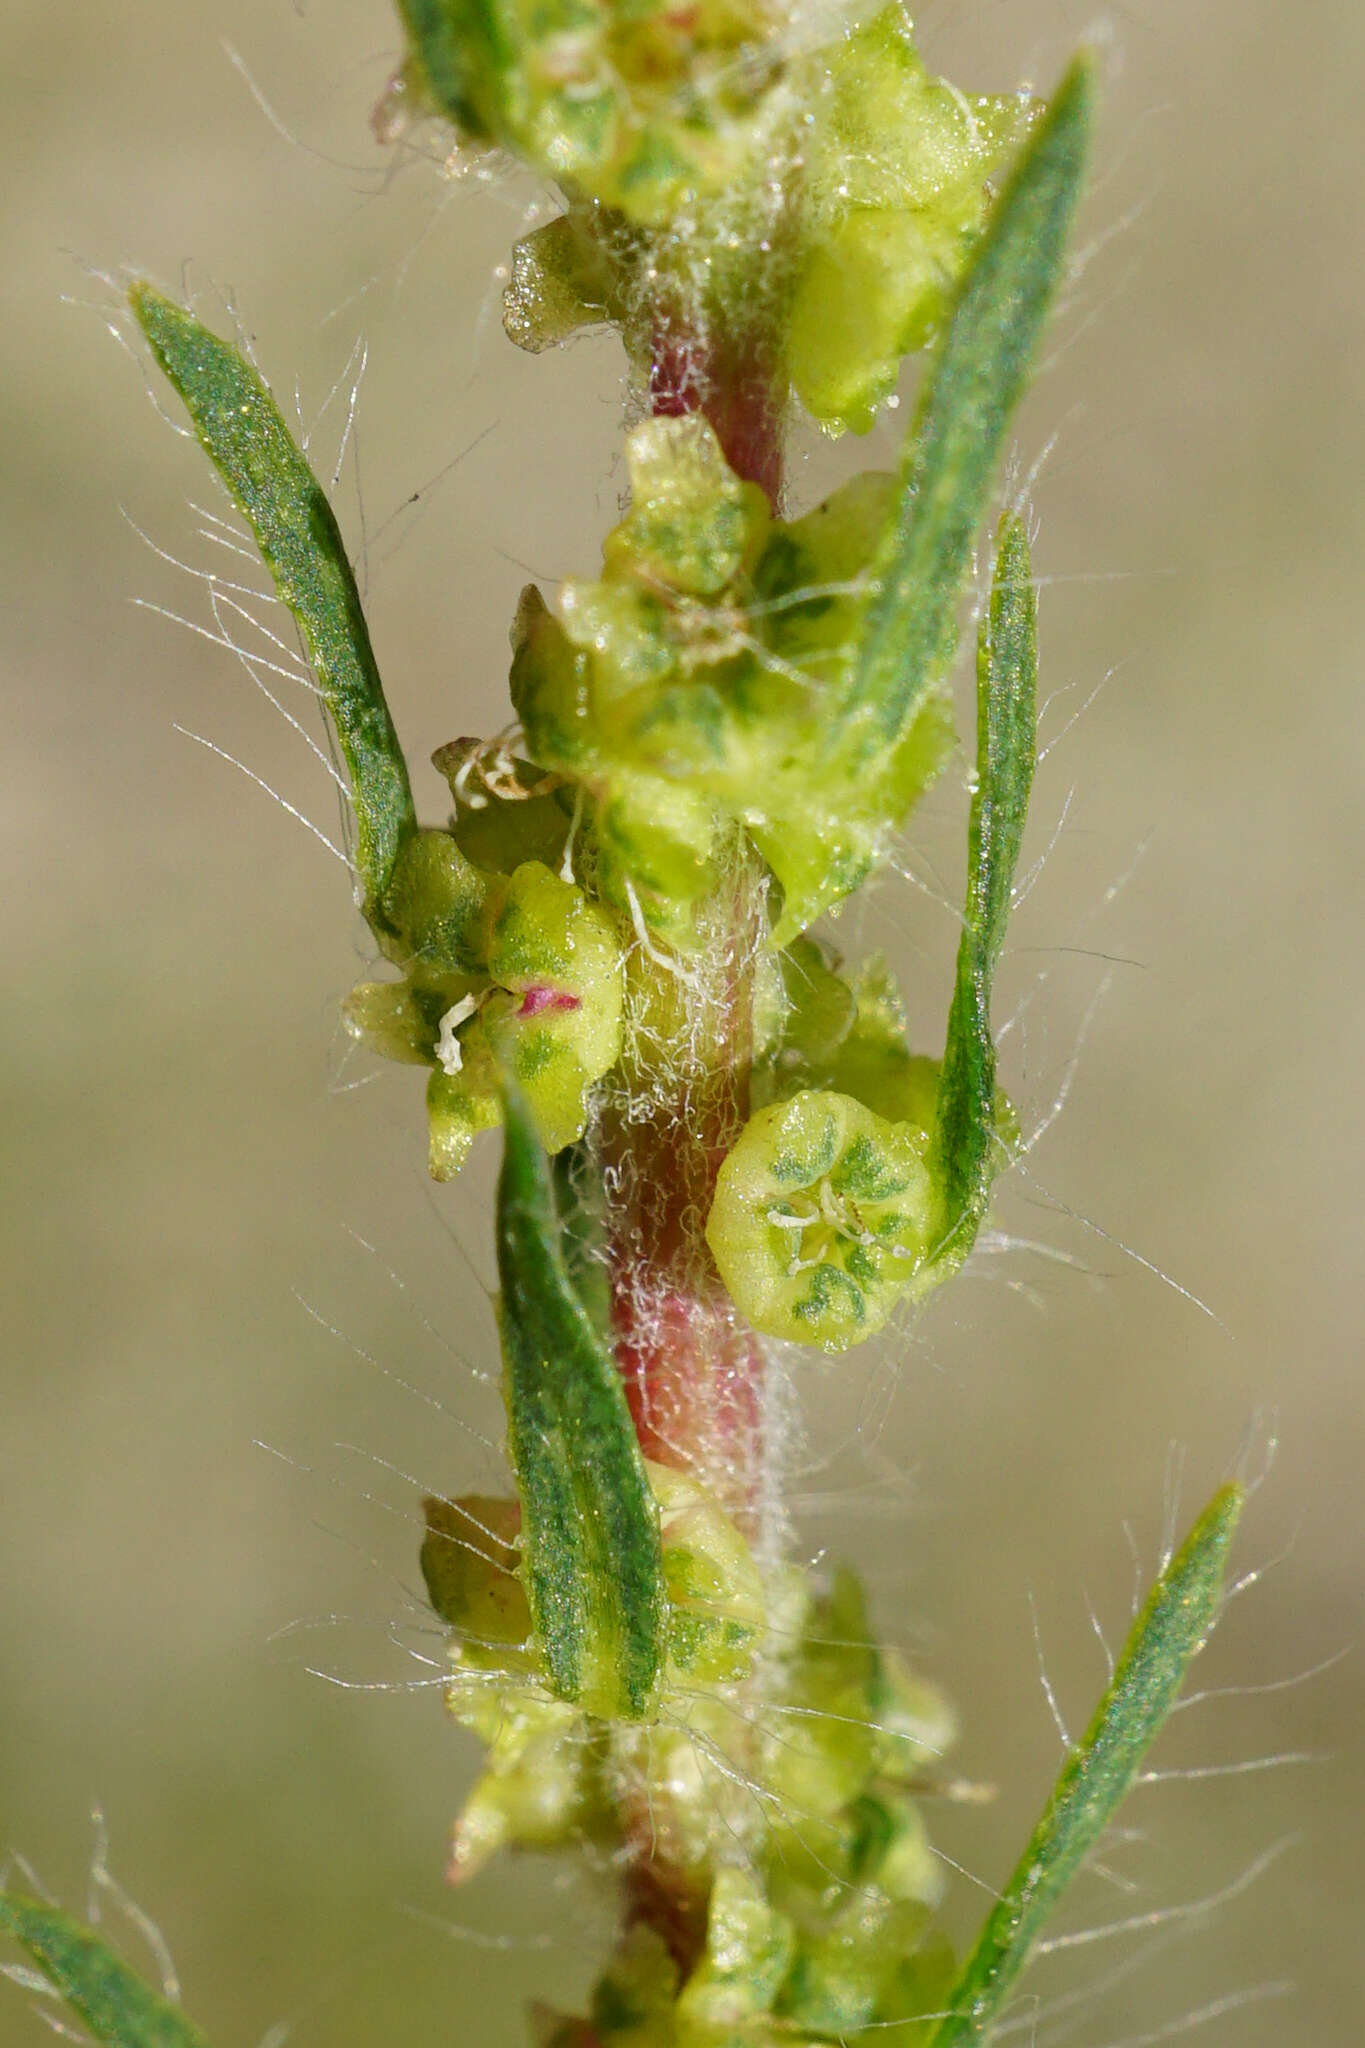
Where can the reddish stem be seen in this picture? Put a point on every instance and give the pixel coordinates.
(735, 383)
(659, 1896)
(692, 1368)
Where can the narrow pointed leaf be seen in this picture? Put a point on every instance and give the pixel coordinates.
(240, 428)
(966, 1140)
(1181, 1610)
(101, 1989)
(975, 383)
(591, 1556)
(443, 53)
(578, 1200)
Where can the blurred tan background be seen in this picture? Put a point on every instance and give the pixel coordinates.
(185, 1163)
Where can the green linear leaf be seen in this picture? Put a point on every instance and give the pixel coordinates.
(100, 1988)
(443, 54)
(591, 1553)
(1173, 1626)
(240, 429)
(579, 1201)
(972, 389)
(966, 1137)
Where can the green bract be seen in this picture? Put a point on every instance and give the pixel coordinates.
(977, 379)
(503, 973)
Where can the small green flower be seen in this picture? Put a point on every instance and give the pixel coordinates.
(693, 687)
(823, 1218)
(646, 107)
(717, 1607)
(750, 1948)
(847, 1035)
(543, 1783)
(866, 1730)
(514, 975)
(883, 176)
(894, 194)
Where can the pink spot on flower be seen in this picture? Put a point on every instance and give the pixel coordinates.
(537, 1000)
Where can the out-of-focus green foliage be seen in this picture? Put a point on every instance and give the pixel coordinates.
(92, 1979)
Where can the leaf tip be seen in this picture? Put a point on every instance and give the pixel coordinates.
(1073, 103)
(150, 307)
(1212, 1534)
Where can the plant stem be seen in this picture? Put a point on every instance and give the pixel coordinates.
(715, 333)
(692, 1368)
(735, 383)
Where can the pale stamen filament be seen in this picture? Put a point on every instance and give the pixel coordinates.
(830, 1215)
(447, 1044)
